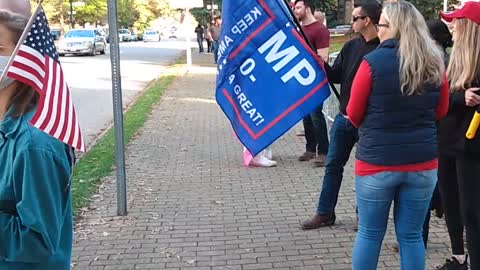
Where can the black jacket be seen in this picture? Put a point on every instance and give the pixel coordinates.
(452, 129)
(346, 65)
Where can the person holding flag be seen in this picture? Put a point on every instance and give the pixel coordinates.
(459, 160)
(38, 129)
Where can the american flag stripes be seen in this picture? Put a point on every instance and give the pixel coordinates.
(37, 64)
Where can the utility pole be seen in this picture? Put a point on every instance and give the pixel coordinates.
(213, 11)
(71, 14)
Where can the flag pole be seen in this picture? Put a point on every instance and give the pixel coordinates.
(299, 28)
(23, 37)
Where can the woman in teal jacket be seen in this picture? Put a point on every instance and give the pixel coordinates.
(36, 228)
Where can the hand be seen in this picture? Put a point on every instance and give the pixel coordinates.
(472, 99)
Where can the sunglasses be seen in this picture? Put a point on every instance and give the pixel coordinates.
(356, 18)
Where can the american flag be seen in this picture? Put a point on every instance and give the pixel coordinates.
(37, 64)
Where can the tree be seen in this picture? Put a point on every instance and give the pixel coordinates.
(429, 8)
(93, 11)
(56, 10)
(128, 13)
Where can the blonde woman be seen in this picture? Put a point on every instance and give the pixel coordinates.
(399, 92)
(459, 161)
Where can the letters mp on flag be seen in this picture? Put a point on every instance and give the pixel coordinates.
(268, 77)
(37, 65)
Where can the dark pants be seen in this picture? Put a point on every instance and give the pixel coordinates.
(459, 183)
(209, 46)
(200, 44)
(343, 137)
(316, 134)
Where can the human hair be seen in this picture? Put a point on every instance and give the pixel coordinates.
(307, 3)
(421, 60)
(370, 10)
(464, 67)
(440, 33)
(25, 97)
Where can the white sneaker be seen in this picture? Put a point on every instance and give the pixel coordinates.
(262, 161)
(268, 153)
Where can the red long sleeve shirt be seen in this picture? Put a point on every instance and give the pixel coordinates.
(361, 89)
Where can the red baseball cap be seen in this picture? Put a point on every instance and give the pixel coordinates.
(470, 10)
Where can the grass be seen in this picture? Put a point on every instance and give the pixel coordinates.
(336, 43)
(100, 159)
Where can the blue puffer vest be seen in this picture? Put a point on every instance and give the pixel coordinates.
(397, 129)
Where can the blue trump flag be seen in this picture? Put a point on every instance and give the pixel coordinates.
(268, 77)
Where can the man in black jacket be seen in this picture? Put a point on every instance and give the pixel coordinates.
(343, 135)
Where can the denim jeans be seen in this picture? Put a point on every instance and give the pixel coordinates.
(316, 135)
(343, 137)
(412, 192)
(215, 50)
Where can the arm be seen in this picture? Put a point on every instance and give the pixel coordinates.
(335, 72)
(41, 182)
(322, 43)
(442, 107)
(323, 53)
(361, 88)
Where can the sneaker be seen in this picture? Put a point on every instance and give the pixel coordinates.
(268, 153)
(319, 161)
(262, 161)
(307, 156)
(319, 221)
(453, 264)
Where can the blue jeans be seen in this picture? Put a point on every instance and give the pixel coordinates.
(343, 137)
(215, 50)
(316, 134)
(412, 192)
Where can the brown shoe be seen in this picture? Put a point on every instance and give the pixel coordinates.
(319, 161)
(307, 156)
(318, 221)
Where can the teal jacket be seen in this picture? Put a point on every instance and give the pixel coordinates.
(36, 226)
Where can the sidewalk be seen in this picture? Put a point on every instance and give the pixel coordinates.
(192, 205)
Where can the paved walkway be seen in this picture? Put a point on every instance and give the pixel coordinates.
(192, 205)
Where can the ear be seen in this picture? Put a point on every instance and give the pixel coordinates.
(368, 21)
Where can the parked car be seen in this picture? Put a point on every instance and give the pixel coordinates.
(56, 33)
(124, 35)
(133, 37)
(151, 35)
(82, 41)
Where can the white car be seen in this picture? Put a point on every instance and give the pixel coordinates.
(124, 35)
(151, 35)
(82, 41)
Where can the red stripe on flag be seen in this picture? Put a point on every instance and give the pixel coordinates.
(58, 99)
(28, 69)
(24, 80)
(32, 58)
(68, 119)
(49, 95)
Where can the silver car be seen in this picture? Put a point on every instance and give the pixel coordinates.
(82, 41)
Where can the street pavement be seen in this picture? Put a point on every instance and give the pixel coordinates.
(192, 205)
(89, 79)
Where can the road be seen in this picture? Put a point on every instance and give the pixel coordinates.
(89, 79)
